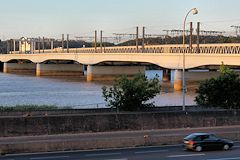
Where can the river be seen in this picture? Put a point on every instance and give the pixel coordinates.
(74, 92)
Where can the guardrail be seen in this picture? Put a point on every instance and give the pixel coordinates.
(231, 48)
(95, 110)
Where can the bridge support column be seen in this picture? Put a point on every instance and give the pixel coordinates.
(177, 83)
(89, 73)
(59, 70)
(166, 75)
(83, 69)
(112, 72)
(52, 45)
(38, 69)
(5, 67)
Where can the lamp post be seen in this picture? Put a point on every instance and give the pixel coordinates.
(194, 11)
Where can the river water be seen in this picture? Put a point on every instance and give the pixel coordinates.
(74, 92)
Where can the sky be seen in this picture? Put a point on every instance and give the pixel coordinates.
(51, 18)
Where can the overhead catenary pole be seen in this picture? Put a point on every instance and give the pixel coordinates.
(52, 45)
(137, 33)
(62, 42)
(11, 46)
(14, 45)
(190, 37)
(67, 43)
(43, 44)
(20, 46)
(39, 47)
(34, 45)
(143, 39)
(95, 41)
(101, 41)
(8, 46)
(198, 37)
(31, 45)
(25, 46)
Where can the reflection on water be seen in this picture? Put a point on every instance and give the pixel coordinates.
(73, 91)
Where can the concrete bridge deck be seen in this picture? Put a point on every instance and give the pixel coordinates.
(165, 60)
(166, 56)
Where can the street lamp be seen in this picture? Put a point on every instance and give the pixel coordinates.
(194, 11)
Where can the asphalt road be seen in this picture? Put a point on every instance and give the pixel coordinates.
(143, 153)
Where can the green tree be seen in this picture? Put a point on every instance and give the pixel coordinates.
(224, 70)
(223, 91)
(132, 94)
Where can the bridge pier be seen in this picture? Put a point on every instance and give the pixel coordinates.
(112, 72)
(23, 68)
(89, 73)
(177, 82)
(1, 66)
(38, 69)
(166, 75)
(5, 67)
(59, 70)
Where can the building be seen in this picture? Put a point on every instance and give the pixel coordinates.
(25, 45)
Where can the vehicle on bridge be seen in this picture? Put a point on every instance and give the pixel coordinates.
(206, 141)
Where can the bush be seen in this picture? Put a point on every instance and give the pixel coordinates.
(223, 91)
(132, 94)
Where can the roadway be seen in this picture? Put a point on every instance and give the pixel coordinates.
(170, 152)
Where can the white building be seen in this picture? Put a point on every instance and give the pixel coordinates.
(24, 45)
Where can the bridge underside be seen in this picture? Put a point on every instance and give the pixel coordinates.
(107, 70)
(102, 71)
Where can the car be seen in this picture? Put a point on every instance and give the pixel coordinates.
(206, 141)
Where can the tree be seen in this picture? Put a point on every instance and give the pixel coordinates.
(132, 94)
(223, 91)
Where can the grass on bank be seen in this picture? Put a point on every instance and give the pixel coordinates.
(32, 108)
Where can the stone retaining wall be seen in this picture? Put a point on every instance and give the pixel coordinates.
(103, 122)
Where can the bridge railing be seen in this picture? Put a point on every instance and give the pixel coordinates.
(214, 49)
(231, 48)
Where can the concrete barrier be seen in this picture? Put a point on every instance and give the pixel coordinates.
(107, 122)
(98, 143)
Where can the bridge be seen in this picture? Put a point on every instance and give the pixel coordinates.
(120, 60)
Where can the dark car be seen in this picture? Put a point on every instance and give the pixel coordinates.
(206, 141)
